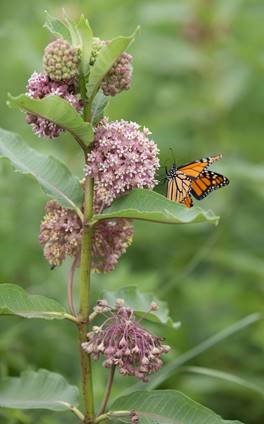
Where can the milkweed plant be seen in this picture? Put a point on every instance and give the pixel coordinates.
(90, 221)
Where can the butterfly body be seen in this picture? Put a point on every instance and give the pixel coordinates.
(193, 179)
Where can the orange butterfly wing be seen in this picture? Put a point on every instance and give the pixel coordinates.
(188, 202)
(207, 182)
(194, 169)
(178, 187)
(193, 179)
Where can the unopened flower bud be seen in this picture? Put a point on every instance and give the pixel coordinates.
(101, 306)
(166, 348)
(109, 351)
(135, 349)
(134, 418)
(97, 44)
(127, 351)
(98, 309)
(155, 351)
(154, 306)
(123, 342)
(119, 303)
(145, 360)
(61, 60)
(107, 364)
(101, 347)
(102, 302)
(88, 348)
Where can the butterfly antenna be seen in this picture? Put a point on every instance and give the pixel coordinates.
(173, 156)
(164, 164)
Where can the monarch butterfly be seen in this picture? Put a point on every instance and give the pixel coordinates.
(193, 179)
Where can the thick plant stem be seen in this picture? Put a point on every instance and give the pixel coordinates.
(85, 270)
(70, 286)
(86, 104)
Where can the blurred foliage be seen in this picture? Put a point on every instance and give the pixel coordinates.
(198, 85)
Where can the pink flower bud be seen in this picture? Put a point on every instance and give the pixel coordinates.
(134, 418)
(154, 306)
(119, 303)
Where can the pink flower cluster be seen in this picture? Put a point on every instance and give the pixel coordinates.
(61, 60)
(126, 344)
(61, 232)
(39, 86)
(123, 157)
(111, 239)
(119, 77)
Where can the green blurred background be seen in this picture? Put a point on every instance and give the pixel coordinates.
(198, 85)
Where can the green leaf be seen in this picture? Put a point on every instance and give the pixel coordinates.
(85, 37)
(72, 28)
(150, 206)
(38, 390)
(105, 60)
(167, 407)
(168, 369)
(57, 110)
(81, 37)
(140, 303)
(56, 27)
(98, 106)
(53, 176)
(16, 301)
(225, 376)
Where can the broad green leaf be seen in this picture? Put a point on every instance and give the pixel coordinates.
(16, 301)
(140, 303)
(72, 28)
(57, 110)
(166, 407)
(86, 37)
(98, 106)
(56, 27)
(38, 390)
(168, 369)
(232, 422)
(150, 206)
(105, 60)
(53, 176)
(225, 376)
